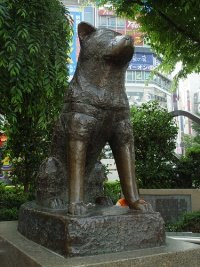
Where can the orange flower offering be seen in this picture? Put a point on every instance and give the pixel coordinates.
(122, 202)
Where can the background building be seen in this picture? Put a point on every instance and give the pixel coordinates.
(187, 98)
(141, 85)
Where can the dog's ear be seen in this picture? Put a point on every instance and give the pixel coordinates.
(85, 29)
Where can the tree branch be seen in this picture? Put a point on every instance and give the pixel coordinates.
(178, 27)
(167, 19)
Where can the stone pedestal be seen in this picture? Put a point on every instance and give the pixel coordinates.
(103, 230)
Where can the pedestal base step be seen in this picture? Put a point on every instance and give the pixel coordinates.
(104, 230)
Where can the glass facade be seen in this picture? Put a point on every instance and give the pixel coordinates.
(89, 13)
(137, 96)
(111, 22)
(145, 77)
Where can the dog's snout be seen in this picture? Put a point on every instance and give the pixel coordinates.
(128, 38)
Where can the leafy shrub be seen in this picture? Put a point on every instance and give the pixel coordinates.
(113, 190)
(11, 199)
(8, 214)
(186, 173)
(34, 51)
(154, 133)
(190, 222)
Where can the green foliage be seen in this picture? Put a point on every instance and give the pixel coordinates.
(193, 156)
(154, 133)
(172, 27)
(186, 173)
(8, 214)
(156, 165)
(193, 152)
(190, 222)
(34, 37)
(113, 190)
(11, 199)
(191, 141)
(196, 128)
(187, 169)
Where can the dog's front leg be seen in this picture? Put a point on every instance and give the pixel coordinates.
(76, 152)
(124, 157)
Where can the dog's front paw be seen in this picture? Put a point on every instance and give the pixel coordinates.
(141, 205)
(77, 208)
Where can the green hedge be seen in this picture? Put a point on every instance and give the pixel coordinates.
(189, 222)
(11, 198)
(8, 214)
(113, 190)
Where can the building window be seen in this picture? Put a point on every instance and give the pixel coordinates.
(155, 78)
(142, 76)
(120, 23)
(129, 76)
(197, 98)
(146, 75)
(107, 21)
(139, 75)
(103, 21)
(135, 97)
(159, 80)
(112, 22)
(89, 15)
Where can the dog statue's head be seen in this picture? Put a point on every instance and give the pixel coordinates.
(104, 44)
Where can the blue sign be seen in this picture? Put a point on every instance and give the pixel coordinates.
(77, 17)
(143, 61)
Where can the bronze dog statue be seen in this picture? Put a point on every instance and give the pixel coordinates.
(96, 111)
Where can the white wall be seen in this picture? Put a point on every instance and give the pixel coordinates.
(110, 163)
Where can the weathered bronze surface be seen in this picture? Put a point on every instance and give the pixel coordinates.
(96, 111)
